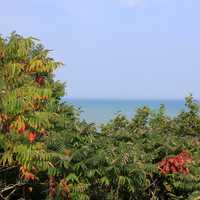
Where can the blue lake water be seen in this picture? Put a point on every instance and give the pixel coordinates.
(102, 110)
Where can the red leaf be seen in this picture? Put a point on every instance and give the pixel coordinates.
(31, 136)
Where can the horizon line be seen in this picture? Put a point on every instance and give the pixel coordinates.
(125, 99)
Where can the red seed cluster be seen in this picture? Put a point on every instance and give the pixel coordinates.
(40, 80)
(175, 164)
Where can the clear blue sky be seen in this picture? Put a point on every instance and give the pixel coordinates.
(116, 48)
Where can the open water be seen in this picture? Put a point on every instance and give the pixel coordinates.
(103, 110)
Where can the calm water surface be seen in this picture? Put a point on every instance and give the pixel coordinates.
(100, 111)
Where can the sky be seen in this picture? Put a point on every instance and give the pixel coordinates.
(124, 49)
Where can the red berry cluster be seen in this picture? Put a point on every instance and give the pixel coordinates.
(175, 164)
(40, 80)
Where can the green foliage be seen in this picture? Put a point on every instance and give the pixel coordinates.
(47, 152)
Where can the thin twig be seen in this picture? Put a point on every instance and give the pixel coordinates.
(7, 169)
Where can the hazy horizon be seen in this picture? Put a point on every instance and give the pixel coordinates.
(124, 99)
(103, 110)
(112, 49)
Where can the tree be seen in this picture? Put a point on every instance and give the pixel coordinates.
(32, 118)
